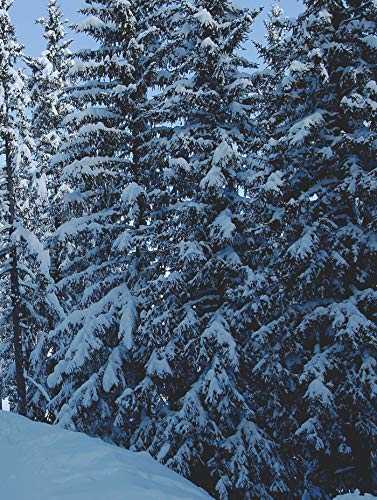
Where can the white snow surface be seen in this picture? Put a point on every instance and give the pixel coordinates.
(40, 462)
(355, 496)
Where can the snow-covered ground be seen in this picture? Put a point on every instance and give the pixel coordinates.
(38, 462)
(355, 496)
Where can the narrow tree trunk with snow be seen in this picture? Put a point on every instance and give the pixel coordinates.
(15, 286)
(24, 274)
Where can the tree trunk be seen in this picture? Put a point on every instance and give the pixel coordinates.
(15, 286)
(17, 334)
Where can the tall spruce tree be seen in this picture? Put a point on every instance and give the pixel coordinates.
(95, 160)
(269, 380)
(105, 235)
(313, 311)
(190, 406)
(47, 83)
(24, 262)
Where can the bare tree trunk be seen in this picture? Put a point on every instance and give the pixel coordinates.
(15, 287)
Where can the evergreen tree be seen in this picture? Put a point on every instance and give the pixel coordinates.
(24, 262)
(95, 161)
(312, 311)
(190, 406)
(105, 235)
(47, 83)
(273, 51)
(269, 379)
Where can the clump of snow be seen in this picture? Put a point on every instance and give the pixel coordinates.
(204, 17)
(209, 44)
(318, 390)
(305, 246)
(223, 227)
(274, 182)
(370, 41)
(302, 129)
(131, 193)
(158, 366)
(42, 462)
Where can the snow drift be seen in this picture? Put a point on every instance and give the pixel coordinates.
(355, 496)
(39, 462)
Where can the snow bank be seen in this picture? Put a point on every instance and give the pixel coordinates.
(39, 462)
(355, 496)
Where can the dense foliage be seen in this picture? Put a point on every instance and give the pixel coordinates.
(188, 241)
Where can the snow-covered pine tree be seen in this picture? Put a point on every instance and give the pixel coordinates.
(273, 52)
(269, 381)
(24, 263)
(276, 28)
(86, 347)
(190, 405)
(105, 238)
(154, 55)
(313, 315)
(47, 84)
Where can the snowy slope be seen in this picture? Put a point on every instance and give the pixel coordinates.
(39, 462)
(355, 496)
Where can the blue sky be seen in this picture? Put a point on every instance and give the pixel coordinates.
(26, 11)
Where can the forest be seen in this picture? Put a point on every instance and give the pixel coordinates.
(188, 238)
